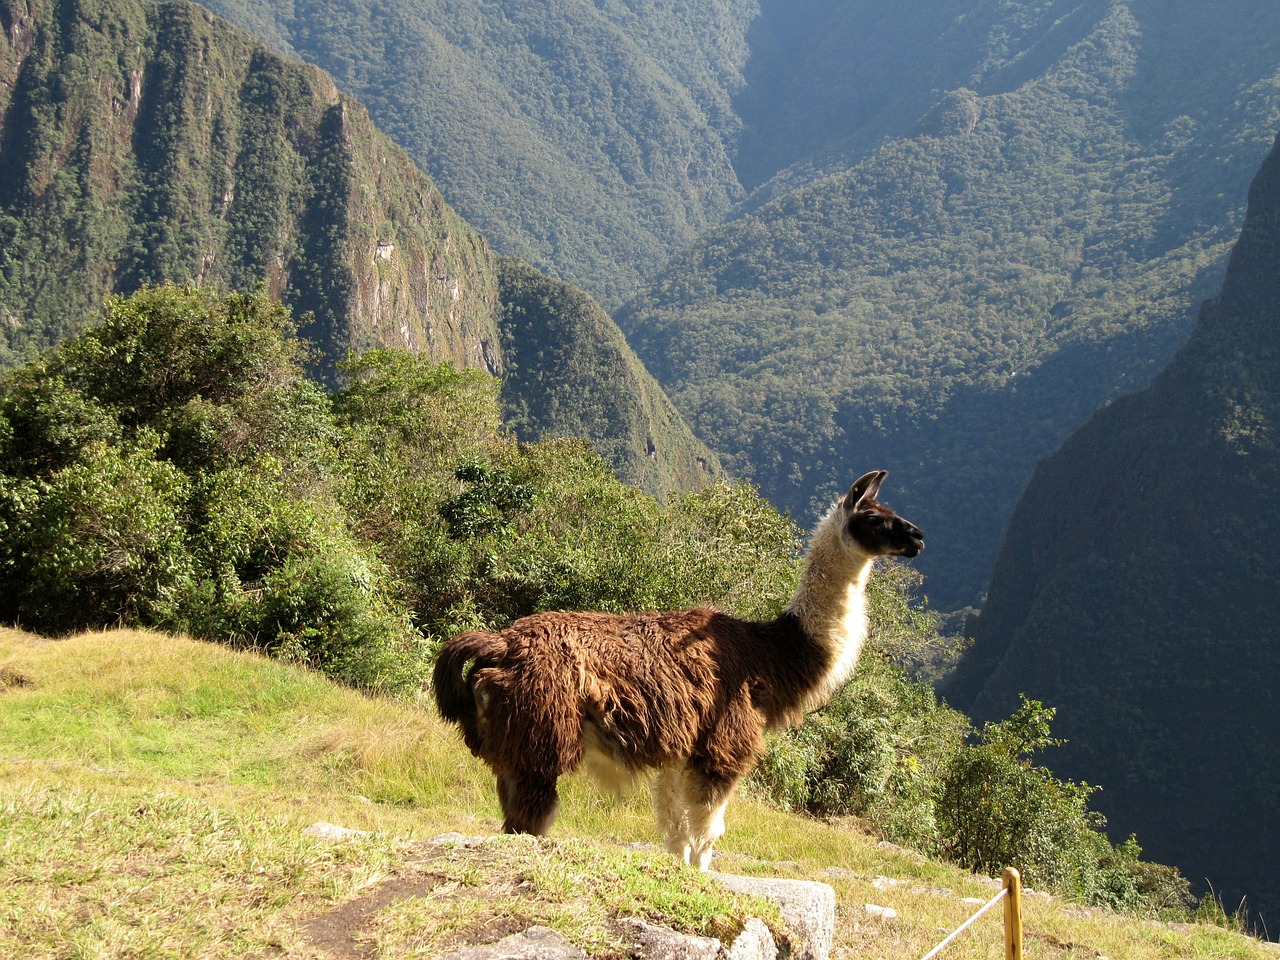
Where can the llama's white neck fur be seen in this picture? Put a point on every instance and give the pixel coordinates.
(830, 601)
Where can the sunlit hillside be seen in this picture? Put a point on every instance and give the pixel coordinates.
(154, 793)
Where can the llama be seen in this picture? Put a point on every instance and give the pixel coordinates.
(687, 694)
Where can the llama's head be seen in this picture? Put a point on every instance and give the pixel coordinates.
(874, 528)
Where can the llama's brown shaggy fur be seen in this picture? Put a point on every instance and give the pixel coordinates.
(686, 693)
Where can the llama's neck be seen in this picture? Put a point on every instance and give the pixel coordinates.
(830, 603)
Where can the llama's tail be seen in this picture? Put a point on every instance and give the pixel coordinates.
(458, 659)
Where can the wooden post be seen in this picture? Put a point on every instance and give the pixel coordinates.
(1012, 914)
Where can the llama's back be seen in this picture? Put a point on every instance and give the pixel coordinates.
(645, 683)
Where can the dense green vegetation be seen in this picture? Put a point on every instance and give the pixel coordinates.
(173, 467)
(145, 143)
(950, 304)
(216, 161)
(588, 138)
(1136, 591)
(568, 372)
(973, 222)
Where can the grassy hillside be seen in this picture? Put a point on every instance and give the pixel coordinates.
(154, 792)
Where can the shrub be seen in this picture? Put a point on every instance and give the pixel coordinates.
(97, 542)
(876, 750)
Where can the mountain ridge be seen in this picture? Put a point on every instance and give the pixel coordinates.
(148, 143)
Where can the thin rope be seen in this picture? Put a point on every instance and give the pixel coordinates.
(965, 926)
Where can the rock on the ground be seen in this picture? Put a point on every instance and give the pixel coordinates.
(536, 943)
(808, 908)
(755, 942)
(662, 943)
(331, 831)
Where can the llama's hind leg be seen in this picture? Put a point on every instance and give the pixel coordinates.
(528, 801)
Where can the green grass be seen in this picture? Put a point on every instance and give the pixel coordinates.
(154, 793)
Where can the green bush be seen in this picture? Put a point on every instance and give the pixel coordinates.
(998, 809)
(97, 542)
(876, 750)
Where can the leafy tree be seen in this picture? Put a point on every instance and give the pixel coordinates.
(143, 480)
(95, 542)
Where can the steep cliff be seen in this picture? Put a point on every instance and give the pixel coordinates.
(1136, 591)
(590, 138)
(149, 142)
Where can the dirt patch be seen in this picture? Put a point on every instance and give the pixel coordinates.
(338, 932)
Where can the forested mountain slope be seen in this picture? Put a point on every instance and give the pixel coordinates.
(970, 222)
(589, 138)
(570, 373)
(951, 305)
(145, 143)
(1136, 591)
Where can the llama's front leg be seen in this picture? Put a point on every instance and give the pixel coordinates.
(690, 811)
(706, 826)
(528, 802)
(669, 805)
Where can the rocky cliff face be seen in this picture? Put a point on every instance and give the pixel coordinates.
(149, 142)
(1136, 591)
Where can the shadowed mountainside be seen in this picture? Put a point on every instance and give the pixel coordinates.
(1136, 591)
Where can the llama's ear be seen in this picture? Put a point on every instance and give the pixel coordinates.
(864, 488)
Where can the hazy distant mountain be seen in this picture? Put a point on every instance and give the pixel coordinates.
(1136, 592)
(950, 303)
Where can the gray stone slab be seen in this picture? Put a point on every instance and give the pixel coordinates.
(808, 908)
(536, 943)
(755, 942)
(653, 942)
